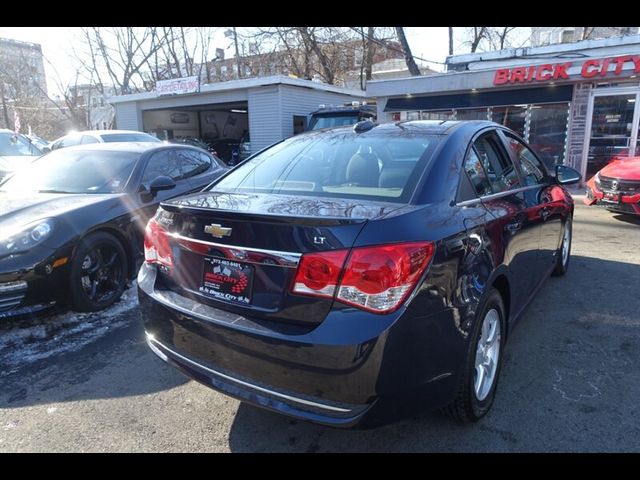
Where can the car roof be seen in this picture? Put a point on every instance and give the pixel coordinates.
(139, 147)
(427, 127)
(6, 130)
(345, 109)
(103, 132)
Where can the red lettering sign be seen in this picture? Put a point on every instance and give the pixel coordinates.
(587, 71)
(502, 76)
(560, 71)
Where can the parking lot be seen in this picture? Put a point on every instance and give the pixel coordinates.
(570, 381)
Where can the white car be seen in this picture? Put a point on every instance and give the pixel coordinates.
(102, 136)
(15, 151)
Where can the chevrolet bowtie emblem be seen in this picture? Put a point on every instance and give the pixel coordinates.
(217, 230)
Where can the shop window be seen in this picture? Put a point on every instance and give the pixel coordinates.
(472, 114)
(413, 115)
(513, 117)
(548, 131)
(439, 115)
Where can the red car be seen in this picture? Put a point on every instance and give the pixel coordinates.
(617, 186)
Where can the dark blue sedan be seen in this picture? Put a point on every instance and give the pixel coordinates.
(355, 275)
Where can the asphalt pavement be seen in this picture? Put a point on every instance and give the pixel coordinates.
(570, 381)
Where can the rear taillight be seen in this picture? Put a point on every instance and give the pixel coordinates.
(156, 245)
(377, 279)
(318, 273)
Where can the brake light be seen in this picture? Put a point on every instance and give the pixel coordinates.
(156, 245)
(318, 273)
(377, 279)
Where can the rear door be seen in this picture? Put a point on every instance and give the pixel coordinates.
(514, 235)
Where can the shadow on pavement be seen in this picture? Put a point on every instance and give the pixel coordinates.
(634, 219)
(567, 384)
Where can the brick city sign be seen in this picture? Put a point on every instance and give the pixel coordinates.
(602, 67)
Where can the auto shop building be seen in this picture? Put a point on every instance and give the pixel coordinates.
(267, 108)
(576, 103)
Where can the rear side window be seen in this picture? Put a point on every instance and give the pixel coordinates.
(501, 172)
(343, 164)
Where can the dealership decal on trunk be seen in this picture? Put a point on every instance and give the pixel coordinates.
(227, 280)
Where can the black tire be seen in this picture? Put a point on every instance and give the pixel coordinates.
(110, 278)
(467, 407)
(562, 264)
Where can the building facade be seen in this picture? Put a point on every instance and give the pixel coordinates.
(267, 109)
(91, 100)
(575, 103)
(541, 36)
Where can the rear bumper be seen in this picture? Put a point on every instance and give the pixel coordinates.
(354, 369)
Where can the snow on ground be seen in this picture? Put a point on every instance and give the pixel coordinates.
(65, 332)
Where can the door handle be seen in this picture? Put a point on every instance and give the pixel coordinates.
(513, 227)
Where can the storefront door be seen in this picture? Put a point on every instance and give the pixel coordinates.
(613, 130)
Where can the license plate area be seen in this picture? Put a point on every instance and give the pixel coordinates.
(228, 280)
(610, 197)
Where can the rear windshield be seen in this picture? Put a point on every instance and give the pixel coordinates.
(337, 120)
(368, 166)
(129, 137)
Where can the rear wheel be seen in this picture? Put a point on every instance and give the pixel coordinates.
(98, 273)
(479, 377)
(564, 252)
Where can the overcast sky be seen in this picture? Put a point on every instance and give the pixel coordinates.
(430, 43)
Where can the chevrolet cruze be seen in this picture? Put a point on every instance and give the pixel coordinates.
(351, 276)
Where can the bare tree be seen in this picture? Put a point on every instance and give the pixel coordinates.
(408, 56)
(587, 32)
(477, 35)
(499, 37)
(122, 55)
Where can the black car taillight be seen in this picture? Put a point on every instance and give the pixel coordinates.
(156, 245)
(377, 279)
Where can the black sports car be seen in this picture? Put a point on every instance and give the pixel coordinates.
(352, 275)
(72, 223)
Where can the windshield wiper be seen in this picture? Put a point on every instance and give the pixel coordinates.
(53, 191)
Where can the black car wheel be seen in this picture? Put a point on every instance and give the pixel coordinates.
(564, 252)
(479, 375)
(98, 273)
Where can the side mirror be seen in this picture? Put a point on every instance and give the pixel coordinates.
(160, 183)
(45, 149)
(567, 175)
